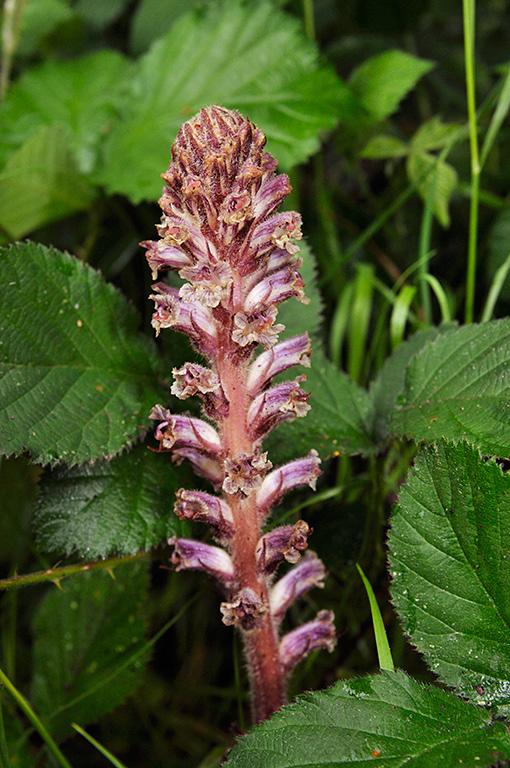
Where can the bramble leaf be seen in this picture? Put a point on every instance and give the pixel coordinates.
(119, 506)
(253, 58)
(77, 380)
(386, 720)
(89, 646)
(458, 387)
(449, 546)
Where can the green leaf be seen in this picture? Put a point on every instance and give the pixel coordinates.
(435, 179)
(389, 383)
(339, 419)
(152, 18)
(296, 316)
(88, 646)
(381, 640)
(382, 146)
(40, 183)
(459, 387)
(77, 380)
(39, 19)
(84, 94)
(119, 506)
(100, 13)
(449, 546)
(18, 491)
(434, 134)
(251, 57)
(388, 720)
(382, 81)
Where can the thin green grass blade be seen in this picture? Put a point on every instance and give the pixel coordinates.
(495, 289)
(34, 719)
(339, 323)
(442, 298)
(359, 321)
(4, 747)
(400, 314)
(113, 760)
(381, 641)
(498, 117)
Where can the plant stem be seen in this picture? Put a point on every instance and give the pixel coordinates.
(469, 55)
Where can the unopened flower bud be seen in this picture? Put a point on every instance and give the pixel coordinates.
(309, 572)
(244, 610)
(191, 554)
(319, 633)
(283, 543)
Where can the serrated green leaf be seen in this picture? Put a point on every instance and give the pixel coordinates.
(389, 383)
(153, 18)
(250, 57)
(381, 147)
(85, 638)
(386, 720)
(84, 94)
(434, 179)
(339, 419)
(119, 506)
(434, 134)
(40, 183)
(449, 546)
(382, 81)
(77, 380)
(459, 387)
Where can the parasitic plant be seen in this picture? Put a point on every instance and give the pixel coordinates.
(238, 260)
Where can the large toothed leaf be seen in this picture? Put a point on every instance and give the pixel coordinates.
(77, 380)
(340, 419)
(249, 56)
(449, 547)
(89, 646)
(83, 94)
(119, 506)
(381, 82)
(386, 720)
(40, 183)
(459, 387)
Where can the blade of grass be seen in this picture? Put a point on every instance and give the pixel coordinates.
(400, 314)
(500, 113)
(4, 747)
(34, 719)
(339, 323)
(381, 641)
(495, 289)
(359, 321)
(442, 298)
(113, 760)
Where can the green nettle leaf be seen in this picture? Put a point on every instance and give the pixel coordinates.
(340, 418)
(84, 94)
(459, 387)
(381, 82)
(389, 383)
(119, 506)
(388, 720)
(77, 380)
(449, 546)
(40, 183)
(382, 146)
(251, 57)
(89, 646)
(435, 180)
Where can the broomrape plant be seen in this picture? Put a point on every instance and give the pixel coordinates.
(239, 260)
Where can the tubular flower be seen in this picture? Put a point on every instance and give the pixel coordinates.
(237, 259)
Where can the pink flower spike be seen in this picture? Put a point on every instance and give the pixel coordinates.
(298, 472)
(307, 574)
(285, 354)
(269, 196)
(161, 255)
(192, 379)
(184, 431)
(204, 508)
(190, 554)
(244, 610)
(279, 403)
(319, 633)
(278, 231)
(275, 288)
(256, 327)
(191, 318)
(283, 543)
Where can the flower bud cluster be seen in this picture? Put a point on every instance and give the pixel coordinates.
(238, 260)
